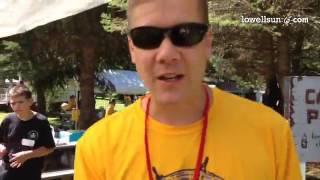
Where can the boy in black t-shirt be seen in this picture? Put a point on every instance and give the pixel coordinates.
(25, 138)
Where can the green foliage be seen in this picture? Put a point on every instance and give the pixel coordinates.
(225, 17)
(113, 24)
(114, 19)
(222, 70)
(9, 59)
(312, 67)
(120, 4)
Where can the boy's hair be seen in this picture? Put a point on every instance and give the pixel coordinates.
(20, 90)
(202, 8)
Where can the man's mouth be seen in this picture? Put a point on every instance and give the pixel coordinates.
(170, 77)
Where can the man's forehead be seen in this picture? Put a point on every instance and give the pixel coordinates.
(144, 12)
(160, 4)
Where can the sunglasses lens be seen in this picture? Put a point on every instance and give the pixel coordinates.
(188, 34)
(147, 37)
(183, 35)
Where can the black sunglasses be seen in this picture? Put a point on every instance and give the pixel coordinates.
(182, 35)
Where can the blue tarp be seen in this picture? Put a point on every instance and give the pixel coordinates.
(121, 82)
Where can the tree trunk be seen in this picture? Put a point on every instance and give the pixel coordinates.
(283, 60)
(41, 100)
(297, 53)
(282, 65)
(87, 79)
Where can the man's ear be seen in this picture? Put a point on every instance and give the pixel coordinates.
(131, 50)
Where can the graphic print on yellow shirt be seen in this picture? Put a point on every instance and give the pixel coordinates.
(188, 173)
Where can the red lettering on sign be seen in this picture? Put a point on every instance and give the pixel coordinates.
(310, 100)
(312, 114)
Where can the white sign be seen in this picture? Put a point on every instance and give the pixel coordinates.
(23, 15)
(304, 113)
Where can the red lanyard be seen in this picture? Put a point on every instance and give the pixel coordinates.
(202, 140)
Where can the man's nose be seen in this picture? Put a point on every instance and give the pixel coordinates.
(167, 52)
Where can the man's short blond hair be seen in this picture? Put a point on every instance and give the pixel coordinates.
(202, 8)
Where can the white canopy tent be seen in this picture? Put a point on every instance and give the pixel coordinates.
(122, 82)
(18, 16)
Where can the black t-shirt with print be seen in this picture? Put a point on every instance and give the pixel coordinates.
(18, 135)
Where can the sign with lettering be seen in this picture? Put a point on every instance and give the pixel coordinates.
(303, 110)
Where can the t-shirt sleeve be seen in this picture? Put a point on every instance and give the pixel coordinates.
(288, 162)
(84, 167)
(46, 138)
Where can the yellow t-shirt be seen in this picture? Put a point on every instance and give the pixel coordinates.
(245, 141)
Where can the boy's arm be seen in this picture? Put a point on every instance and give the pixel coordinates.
(19, 158)
(3, 151)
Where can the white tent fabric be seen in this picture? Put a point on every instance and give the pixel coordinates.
(122, 81)
(18, 16)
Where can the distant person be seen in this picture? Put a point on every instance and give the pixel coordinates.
(70, 105)
(25, 138)
(111, 107)
(273, 97)
(127, 100)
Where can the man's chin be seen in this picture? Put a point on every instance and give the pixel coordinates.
(170, 98)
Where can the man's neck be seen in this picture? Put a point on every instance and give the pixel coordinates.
(26, 116)
(181, 113)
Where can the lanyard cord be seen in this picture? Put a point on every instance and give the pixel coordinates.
(202, 140)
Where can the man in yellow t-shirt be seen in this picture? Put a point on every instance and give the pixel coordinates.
(182, 129)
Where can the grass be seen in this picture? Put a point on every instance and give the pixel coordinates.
(2, 115)
(101, 103)
(54, 121)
